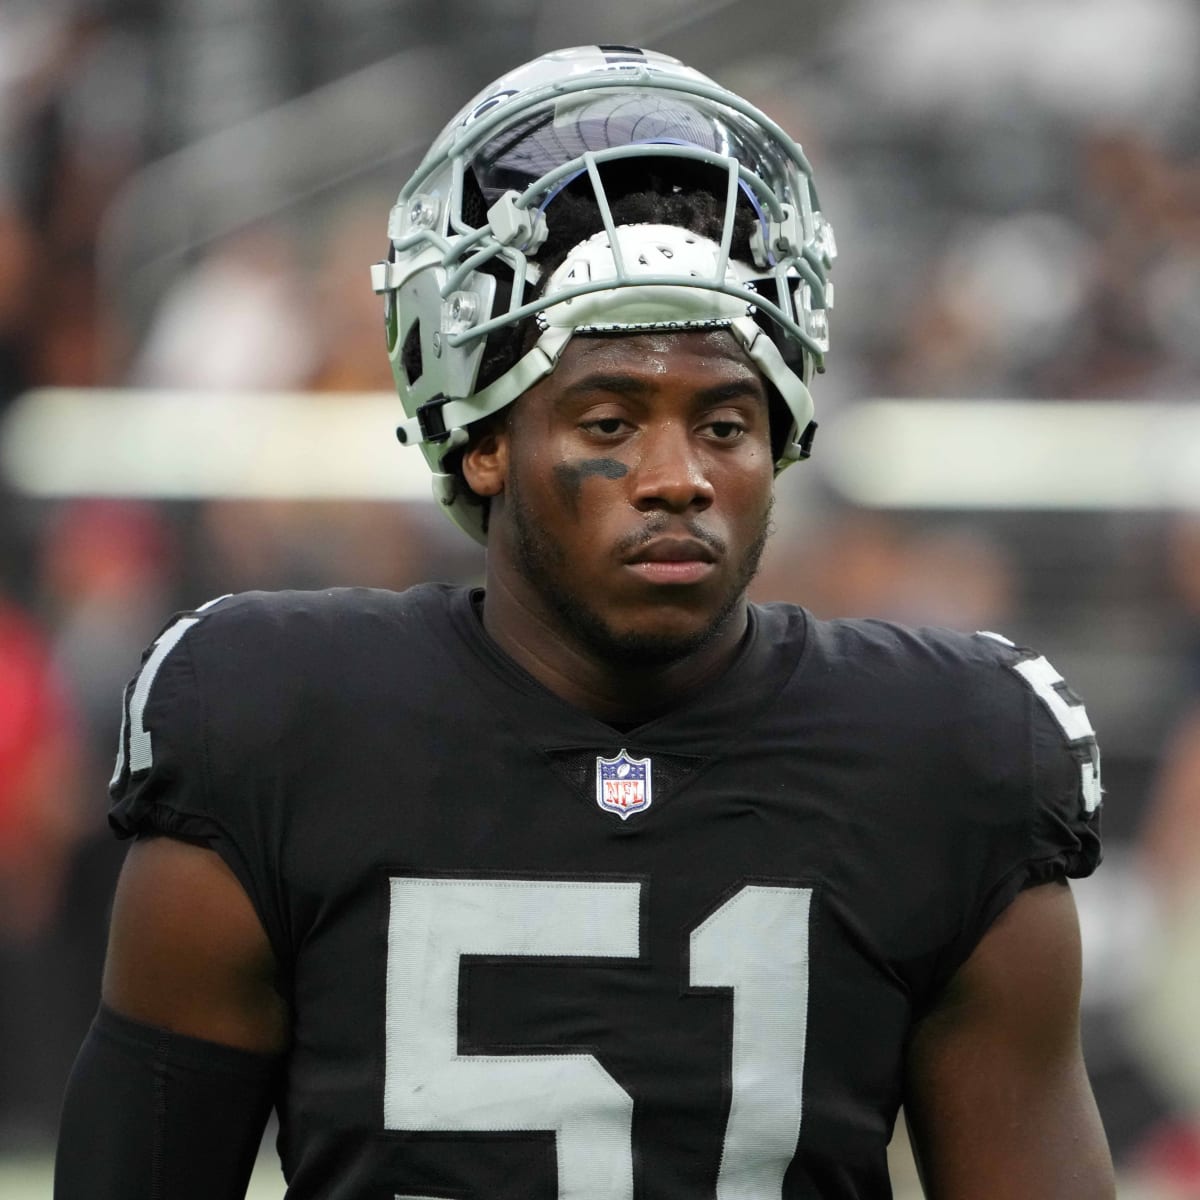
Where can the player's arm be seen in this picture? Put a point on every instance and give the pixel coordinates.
(998, 1102)
(175, 1080)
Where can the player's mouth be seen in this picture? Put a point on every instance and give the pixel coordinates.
(673, 560)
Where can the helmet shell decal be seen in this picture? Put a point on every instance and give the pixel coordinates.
(623, 784)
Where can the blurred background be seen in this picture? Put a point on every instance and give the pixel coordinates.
(190, 195)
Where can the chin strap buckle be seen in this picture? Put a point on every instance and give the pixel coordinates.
(431, 422)
(428, 425)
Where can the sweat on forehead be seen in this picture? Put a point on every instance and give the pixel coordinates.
(595, 344)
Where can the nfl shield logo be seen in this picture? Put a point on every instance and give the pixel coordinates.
(623, 784)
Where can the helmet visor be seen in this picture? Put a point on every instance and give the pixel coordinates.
(558, 130)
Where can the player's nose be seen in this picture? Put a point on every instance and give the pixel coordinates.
(670, 473)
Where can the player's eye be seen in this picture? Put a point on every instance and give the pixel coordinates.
(607, 426)
(726, 431)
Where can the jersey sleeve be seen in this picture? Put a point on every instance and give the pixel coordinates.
(1065, 828)
(159, 784)
(169, 777)
(1059, 776)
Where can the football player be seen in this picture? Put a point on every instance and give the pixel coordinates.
(599, 882)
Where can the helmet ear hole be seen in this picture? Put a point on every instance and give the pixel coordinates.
(410, 354)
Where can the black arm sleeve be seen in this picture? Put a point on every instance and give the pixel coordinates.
(153, 1115)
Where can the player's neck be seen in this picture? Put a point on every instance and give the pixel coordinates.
(618, 693)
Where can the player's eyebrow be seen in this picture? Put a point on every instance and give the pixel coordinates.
(634, 386)
(751, 385)
(599, 381)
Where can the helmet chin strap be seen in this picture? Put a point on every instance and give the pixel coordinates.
(663, 278)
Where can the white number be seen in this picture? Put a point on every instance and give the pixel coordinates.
(756, 943)
(1072, 720)
(429, 1086)
(1069, 714)
(141, 750)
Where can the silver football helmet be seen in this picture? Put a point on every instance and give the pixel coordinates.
(466, 230)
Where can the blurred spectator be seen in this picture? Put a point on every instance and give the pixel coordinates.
(848, 565)
(257, 544)
(1005, 296)
(1133, 199)
(40, 824)
(39, 798)
(72, 123)
(239, 319)
(17, 262)
(1168, 1165)
(347, 317)
(1165, 1022)
(965, 61)
(875, 564)
(106, 573)
(1170, 840)
(957, 577)
(103, 576)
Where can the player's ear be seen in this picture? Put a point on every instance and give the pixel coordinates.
(485, 460)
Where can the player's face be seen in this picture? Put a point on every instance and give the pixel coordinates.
(637, 492)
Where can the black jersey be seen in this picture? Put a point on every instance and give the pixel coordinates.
(529, 955)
